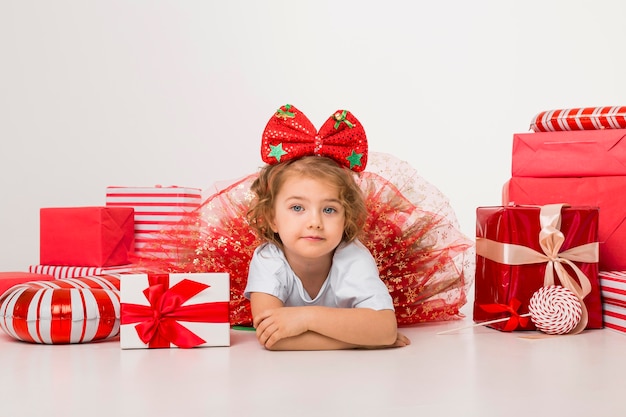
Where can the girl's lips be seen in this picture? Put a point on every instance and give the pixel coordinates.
(313, 237)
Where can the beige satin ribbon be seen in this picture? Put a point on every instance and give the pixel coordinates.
(550, 239)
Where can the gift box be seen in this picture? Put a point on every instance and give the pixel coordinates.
(86, 236)
(607, 193)
(156, 209)
(174, 310)
(615, 316)
(613, 286)
(64, 271)
(588, 153)
(522, 248)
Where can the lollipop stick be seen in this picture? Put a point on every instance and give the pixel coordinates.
(484, 323)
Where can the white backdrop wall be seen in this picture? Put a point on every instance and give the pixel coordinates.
(98, 93)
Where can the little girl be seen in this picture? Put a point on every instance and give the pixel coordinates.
(314, 234)
(313, 285)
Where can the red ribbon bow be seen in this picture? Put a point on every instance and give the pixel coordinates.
(158, 323)
(290, 135)
(515, 320)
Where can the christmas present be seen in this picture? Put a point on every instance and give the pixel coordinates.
(590, 153)
(607, 193)
(66, 271)
(174, 310)
(519, 249)
(156, 209)
(86, 236)
(615, 316)
(613, 286)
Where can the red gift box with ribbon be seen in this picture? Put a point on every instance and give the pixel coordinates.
(522, 248)
(174, 310)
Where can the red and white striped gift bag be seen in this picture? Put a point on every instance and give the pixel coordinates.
(75, 310)
(156, 208)
(583, 118)
(62, 272)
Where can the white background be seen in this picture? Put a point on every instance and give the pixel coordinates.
(139, 93)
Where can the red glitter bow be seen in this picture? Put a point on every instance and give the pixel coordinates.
(515, 320)
(290, 135)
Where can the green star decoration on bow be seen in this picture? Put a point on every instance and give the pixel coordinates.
(355, 159)
(277, 151)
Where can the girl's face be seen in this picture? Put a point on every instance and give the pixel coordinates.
(309, 218)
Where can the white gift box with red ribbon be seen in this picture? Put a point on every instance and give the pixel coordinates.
(156, 208)
(184, 310)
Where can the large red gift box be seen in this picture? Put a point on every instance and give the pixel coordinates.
(588, 153)
(86, 236)
(184, 310)
(522, 248)
(607, 193)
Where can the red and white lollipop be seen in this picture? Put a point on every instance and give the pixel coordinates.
(555, 309)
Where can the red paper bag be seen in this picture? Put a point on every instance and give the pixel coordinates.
(86, 236)
(587, 153)
(511, 281)
(607, 193)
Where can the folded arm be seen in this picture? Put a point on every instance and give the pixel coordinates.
(322, 328)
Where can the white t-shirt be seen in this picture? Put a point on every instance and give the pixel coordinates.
(353, 280)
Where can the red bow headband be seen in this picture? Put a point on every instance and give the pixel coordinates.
(289, 135)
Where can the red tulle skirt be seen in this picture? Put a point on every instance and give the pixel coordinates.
(411, 230)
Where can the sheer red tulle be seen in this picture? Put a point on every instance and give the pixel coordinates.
(411, 231)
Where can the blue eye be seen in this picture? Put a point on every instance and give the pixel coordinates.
(297, 208)
(329, 210)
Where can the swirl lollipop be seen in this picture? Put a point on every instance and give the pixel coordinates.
(555, 309)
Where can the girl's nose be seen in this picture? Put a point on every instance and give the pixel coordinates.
(315, 221)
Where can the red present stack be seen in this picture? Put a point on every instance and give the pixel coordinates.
(578, 156)
(522, 248)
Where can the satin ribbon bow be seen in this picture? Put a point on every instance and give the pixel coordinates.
(290, 135)
(158, 323)
(550, 240)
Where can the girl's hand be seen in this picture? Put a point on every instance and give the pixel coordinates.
(280, 323)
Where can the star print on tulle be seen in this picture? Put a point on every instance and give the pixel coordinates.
(277, 151)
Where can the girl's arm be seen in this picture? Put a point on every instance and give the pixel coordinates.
(318, 328)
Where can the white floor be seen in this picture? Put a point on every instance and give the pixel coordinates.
(475, 372)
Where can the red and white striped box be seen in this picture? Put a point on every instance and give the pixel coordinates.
(614, 315)
(62, 272)
(156, 208)
(613, 285)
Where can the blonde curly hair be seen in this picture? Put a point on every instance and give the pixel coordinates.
(272, 177)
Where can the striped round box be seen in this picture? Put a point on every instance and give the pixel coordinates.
(75, 310)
